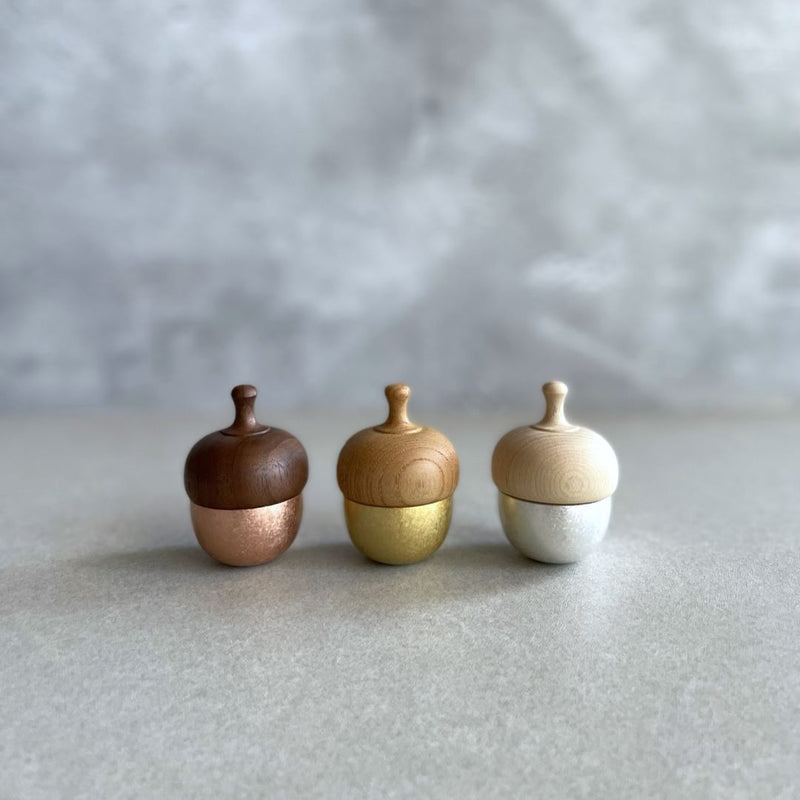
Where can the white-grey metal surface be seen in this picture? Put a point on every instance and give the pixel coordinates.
(551, 533)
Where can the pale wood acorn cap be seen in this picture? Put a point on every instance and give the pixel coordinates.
(553, 461)
(397, 464)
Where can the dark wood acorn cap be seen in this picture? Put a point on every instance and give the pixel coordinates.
(246, 465)
(397, 464)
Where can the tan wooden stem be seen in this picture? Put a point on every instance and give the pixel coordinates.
(397, 395)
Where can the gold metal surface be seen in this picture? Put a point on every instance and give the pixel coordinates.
(398, 535)
(248, 536)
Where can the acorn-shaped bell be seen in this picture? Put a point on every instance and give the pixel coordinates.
(555, 481)
(398, 480)
(245, 484)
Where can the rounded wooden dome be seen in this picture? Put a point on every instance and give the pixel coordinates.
(553, 461)
(246, 465)
(397, 464)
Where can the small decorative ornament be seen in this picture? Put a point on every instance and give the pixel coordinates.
(555, 481)
(398, 480)
(245, 484)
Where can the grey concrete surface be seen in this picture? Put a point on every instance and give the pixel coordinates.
(666, 665)
(323, 196)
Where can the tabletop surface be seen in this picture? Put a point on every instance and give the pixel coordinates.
(667, 664)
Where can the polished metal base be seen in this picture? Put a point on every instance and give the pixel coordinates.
(248, 536)
(554, 534)
(398, 535)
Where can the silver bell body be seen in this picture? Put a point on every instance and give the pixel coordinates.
(555, 534)
(555, 481)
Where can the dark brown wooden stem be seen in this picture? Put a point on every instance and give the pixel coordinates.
(245, 423)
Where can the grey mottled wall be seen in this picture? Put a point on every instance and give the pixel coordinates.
(320, 197)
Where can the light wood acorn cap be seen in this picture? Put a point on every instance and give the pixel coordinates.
(397, 464)
(553, 461)
(247, 464)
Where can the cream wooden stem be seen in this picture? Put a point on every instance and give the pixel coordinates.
(555, 392)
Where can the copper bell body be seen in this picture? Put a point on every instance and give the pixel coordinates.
(555, 482)
(398, 480)
(245, 485)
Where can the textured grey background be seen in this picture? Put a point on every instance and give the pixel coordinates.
(320, 197)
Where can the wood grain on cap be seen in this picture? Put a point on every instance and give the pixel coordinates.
(397, 464)
(553, 461)
(246, 465)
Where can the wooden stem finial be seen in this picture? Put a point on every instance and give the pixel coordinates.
(555, 392)
(397, 422)
(245, 423)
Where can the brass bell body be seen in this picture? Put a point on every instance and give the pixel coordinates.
(398, 480)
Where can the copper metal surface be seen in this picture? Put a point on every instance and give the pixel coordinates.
(398, 535)
(248, 536)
